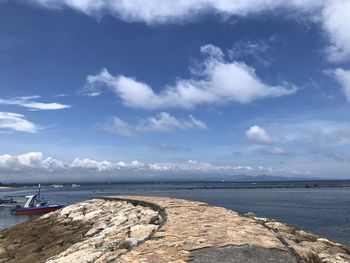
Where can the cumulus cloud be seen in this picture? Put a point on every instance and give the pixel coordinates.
(258, 135)
(168, 11)
(336, 21)
(215, 81)
(16, 122)
(27, 102)
(343, 77)
(31, 160)
(34, 166)
(310, 138)
(268, 145)
(94, 165)
(163, 122)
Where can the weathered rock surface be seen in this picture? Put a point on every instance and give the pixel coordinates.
(194, 229)
(154, 229)
(91, 231)
(238, 254)
(310, 247)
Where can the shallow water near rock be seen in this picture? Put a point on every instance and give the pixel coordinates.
(324, 211)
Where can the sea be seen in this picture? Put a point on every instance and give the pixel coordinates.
(319, 207)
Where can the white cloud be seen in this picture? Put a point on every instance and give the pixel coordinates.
(162, 122)
(168, 11)
(60, 95)
(275, 150)
(326, 133)
(328, 139)
(258, 50)
(333, 15)
(343, 77)
(117, 125)
(258, 135)
(336, 22)
(31, 160)
(267, 144)
(215, 82)
(213, 51)
(308, 139)
(27, 102)
(34, 166)
(16, 122)
(92, 164)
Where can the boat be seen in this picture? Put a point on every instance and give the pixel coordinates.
(7, 200)
(36, 205)
(75, 186)
(56, 186)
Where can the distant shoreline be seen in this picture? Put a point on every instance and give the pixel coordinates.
(193, 185)
(255, 187)
(5, 187)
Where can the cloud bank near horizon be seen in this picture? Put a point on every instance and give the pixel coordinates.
(34, 166)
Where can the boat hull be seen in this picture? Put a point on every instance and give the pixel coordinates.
(36, 210)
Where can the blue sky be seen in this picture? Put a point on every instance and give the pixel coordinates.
(107, 90)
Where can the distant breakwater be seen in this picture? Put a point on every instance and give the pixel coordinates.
(215, 185)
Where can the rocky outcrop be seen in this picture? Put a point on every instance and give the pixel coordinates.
(310, 247)
(154, 229)
(198, 232)
(91, 231)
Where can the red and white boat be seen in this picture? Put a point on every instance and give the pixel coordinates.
(35, 205)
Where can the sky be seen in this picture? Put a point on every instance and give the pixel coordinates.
(108, 90)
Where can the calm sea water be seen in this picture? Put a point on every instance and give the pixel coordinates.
(324, 211)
